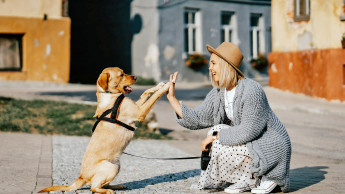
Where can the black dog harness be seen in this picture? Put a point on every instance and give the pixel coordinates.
(114, 114)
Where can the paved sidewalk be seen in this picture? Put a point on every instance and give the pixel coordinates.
(316, 128)
(25, 162)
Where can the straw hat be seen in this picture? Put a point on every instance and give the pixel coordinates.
(230, 53)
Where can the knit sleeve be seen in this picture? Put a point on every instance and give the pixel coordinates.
(199, 117)
(253, 120)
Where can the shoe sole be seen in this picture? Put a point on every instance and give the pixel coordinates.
(236, 191)
(270, 188)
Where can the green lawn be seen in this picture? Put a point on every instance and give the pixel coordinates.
(52, 117)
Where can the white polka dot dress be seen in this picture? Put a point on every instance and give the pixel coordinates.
(228, 164)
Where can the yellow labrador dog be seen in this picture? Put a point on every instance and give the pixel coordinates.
(101, 163)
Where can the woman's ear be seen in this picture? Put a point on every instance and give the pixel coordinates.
(103, 81)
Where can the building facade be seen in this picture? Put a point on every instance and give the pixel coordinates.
(307, 55)
(147, 38)
(34, 41)
(174, 30)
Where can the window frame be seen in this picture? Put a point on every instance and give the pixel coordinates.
(19, 38)
(257, 36)
(231, 27)
(297, 10)
(194, 38)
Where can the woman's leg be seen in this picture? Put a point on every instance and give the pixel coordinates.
(205, 180)
(228, 164)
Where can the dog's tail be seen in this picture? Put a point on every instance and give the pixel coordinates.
(78, 183)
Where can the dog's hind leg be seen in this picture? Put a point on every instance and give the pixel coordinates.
(100, 190)
(98, 182)
(148, 93)
(106, 172)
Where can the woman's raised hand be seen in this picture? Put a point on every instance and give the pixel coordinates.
(171, 92)
(175, 104)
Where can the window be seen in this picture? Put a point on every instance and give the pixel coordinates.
(257, 42)
(10, 52)
(302, 10)
(227, 32)
(192, 33)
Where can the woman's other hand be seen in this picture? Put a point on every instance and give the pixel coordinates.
(209, 139)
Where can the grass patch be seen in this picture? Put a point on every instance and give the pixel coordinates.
(52, 117)
(142, 132)
(145, 81)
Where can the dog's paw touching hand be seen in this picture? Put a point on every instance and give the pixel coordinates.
(161, 84)
(166, 86)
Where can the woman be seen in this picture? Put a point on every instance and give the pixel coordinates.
(250, 146)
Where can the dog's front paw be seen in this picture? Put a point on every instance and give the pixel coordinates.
(166, 86)
(161, 84)
(154, 89)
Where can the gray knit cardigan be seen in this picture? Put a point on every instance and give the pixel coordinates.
(254, 124)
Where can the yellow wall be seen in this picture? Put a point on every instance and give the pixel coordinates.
(46, 48)
(324, 29)
(31, 8)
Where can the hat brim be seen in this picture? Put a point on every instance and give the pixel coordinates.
(212, 50)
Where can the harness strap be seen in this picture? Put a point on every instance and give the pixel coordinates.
(114, 114)
(116, 107)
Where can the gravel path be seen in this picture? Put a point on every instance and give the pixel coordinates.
(139, 175)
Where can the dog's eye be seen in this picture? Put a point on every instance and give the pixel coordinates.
(121, 75)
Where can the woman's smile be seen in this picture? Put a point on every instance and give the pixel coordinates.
(214, 67)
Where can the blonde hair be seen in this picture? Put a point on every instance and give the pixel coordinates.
(228, 75)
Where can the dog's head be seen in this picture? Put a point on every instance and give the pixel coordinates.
(114, 80)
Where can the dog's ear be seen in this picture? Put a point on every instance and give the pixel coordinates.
(103, 81)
